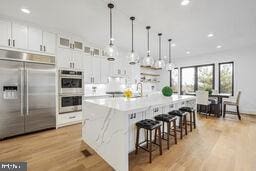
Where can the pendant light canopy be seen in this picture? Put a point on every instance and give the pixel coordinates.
(111, 50)
(160, 62)
(170, 66)
(148, 61)
(132, 56)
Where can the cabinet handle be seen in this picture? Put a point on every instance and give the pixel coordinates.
(44, 48)
(70, 64)
(9, 42)
(41, 48)
(93, 79)
(13, 43)
(72, 117)
(73, 46)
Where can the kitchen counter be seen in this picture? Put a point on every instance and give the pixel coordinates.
(109, 123)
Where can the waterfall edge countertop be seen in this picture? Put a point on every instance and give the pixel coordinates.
(125, 105)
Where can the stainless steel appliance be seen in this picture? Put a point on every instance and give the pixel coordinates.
(70, 103)
(71, 82)
(27, 93)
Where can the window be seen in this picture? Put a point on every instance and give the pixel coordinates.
(175, 80)
(205, 77)
(199, 77)
(188, 80)
(226, 77)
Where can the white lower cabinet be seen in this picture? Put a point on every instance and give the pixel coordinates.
(69, 118)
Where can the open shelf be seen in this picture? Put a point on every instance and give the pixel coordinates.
(147, 74)
(148, 67)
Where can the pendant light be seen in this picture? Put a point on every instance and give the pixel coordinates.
(111, 50)
(159, 64)
(132, 56)
(148, 61)
(170, 65)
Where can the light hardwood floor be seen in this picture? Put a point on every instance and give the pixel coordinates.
(217, 144)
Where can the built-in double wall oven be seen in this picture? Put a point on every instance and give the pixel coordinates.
(71, 91)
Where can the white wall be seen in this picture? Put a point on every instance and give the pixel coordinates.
(244, 76)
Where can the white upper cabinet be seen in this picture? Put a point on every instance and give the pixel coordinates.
(19, 36)
(5, 33)
(88, 69)
(105, 70)
(35, 39)
(49, 42)
(78, 45)
(72, 43)
(96, 66)
(77, 60)
(64, 42)
(64, 58)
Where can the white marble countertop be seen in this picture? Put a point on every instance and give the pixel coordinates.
(123, 104)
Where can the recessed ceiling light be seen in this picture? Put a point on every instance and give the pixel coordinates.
(219, 46)
(188, 52)
(173, 45)
(210, 35)
(25, 10)
(185, 2)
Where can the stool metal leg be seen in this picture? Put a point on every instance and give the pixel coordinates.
(174, 130)
(137, 140)
(160, 141)
(186, 126)
(194, 119)
(190, 120)
(150, 146)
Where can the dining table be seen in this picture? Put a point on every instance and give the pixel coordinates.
(219, 97)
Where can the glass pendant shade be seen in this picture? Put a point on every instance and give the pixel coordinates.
(133, 57)
(111, 52)
(160, 63)
(170, 66)
(148, 61)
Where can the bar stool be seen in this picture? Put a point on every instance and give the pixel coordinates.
(183, 121)
(168, 119)
(148, 125)
(192, 116)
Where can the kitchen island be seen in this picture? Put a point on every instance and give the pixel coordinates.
(109, 123)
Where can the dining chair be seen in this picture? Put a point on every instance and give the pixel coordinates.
(232, 102)
(202, 100)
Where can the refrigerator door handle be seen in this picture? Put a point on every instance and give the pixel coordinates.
(27, 111)
(21, 92)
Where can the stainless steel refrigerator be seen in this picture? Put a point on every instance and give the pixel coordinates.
(27, 93)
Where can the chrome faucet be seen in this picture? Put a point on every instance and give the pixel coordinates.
(141, 88)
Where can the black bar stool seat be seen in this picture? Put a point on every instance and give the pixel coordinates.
(183, 121)
(168, 119)
(192, 113)
(148, 125)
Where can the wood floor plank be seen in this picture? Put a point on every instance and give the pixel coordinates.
(216, 145)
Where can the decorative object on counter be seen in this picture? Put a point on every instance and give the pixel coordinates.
(209, 90)
(160, 62)
(170, 65)
(111, 50)
(132, 56)
(167, 91)
(128, 93)
(148, 61)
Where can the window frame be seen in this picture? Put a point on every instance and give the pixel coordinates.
(233, 74)
(171, 79)
(196, 75)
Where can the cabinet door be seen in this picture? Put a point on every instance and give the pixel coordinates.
(78, 45)
(35, 39)
(64, 58)
(5, 33)
(133, 118)
(105, 71)
(78, 60)
(49, 42)
(64, 42)
(20, 36)
(96, 69)
(87, 69)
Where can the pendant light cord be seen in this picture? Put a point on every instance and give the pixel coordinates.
(132, 18)
(160, 34)
(148, 53)
(170, 46)
(111, 41)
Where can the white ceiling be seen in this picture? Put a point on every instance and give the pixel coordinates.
(233, 22)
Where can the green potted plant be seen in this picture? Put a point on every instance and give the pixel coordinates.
(209, 90)
(167, 91)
